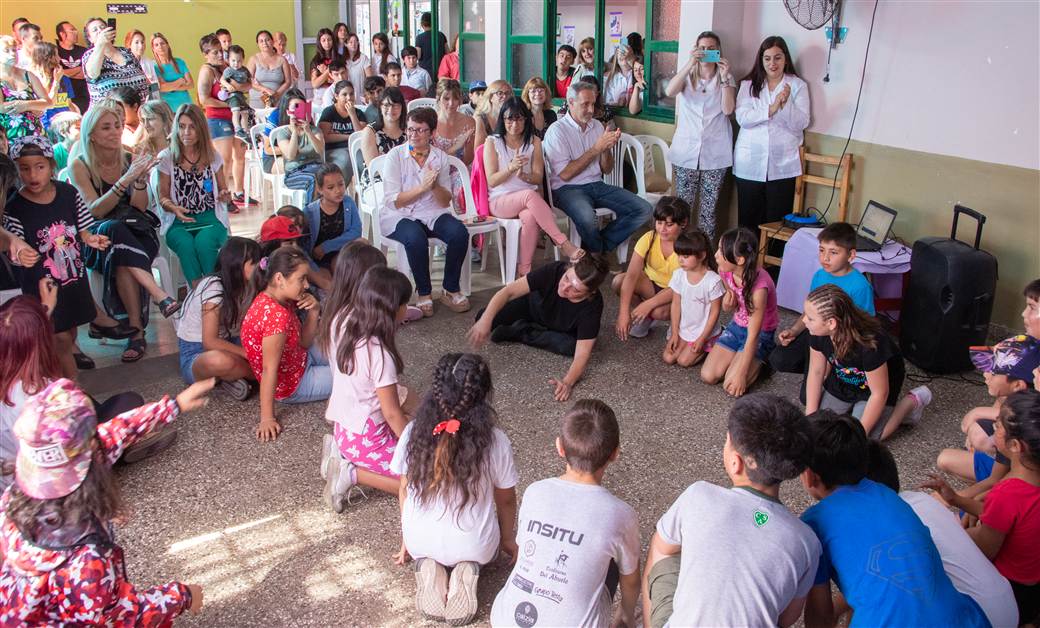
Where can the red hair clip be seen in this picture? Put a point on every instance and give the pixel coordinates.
(451, 426)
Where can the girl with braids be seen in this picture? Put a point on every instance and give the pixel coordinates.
(458, 489)
(1008, 532)
(278, 347)
(644, 290)
(854, 367)
(744, 346)
(367, 305)
(207, 333)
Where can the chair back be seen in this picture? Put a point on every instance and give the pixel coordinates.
(353, 147)
(422, 102)
(460, 166)
(627, 148)
(371, 197)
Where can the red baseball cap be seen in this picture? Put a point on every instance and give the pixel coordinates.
(279, 228)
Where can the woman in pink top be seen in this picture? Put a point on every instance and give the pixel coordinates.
(514, 170)
(745, 344)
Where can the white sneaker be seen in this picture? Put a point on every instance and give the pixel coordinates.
(922, 396)
(461, 605)
(328, 447)
(338, 482)
(431, 588)
(641, 329)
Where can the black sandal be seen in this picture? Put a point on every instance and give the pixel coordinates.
(120, 331)
(169, 306)
(137, 345)
(83, 361)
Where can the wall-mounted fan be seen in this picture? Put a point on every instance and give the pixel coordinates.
(812, 14)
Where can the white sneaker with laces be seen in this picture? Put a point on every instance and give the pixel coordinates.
(338, 483)
(641, 329)
(328, 447)
(923, 396)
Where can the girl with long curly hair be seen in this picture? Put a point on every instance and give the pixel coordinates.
(458, 489)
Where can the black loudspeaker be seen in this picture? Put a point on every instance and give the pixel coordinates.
(948, 303)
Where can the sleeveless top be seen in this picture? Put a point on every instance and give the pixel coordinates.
(216, 113)
(123, 207)
(384, 143)
(505, 155)
(268, 77)
(25, 123)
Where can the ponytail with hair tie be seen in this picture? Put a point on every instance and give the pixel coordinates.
(262, 265)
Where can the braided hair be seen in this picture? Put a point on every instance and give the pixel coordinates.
(737, 243)
(450, 464)
(855, 328)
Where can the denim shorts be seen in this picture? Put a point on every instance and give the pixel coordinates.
(735, 336)
(189, 352)
(219, 129)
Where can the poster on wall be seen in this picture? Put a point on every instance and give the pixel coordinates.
(615, 31)
(568, 34)
(362, 22)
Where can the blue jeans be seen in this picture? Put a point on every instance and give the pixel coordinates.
(415, 236)
(303, 179)
(579, 202)
(316, 383)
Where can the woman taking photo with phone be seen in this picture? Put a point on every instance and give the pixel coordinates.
(107, 66)
(299, 143)
(705, 95)
(773, 111)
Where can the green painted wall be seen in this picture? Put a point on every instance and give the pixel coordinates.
(923, 188)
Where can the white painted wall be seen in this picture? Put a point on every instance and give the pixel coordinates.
(954, 78)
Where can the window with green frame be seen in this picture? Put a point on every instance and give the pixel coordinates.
(396, 20)
(532, 23)
(471, 42)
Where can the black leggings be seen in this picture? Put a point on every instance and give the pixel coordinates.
(537, 334)
(116, 404)
(759, 202)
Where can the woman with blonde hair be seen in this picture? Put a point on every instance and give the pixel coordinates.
(115, 189)
(486, 114)
(536, 96)
(454, 133)
(193, 194)
(623, 81)
(156, 123)
(586, 65)
(175, 80)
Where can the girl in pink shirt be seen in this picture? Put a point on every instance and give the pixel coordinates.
(745, 344)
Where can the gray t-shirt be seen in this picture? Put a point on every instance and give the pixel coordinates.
(189, 323)
(306, 153)
(568, 533)
(745, 557)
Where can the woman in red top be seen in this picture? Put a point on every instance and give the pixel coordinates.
(218, 115)
(277, 344)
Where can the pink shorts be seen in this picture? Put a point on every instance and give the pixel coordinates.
(372, 449)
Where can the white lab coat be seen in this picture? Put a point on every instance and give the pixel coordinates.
(703, 137)
(767, 148)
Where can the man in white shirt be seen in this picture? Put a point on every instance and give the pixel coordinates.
(30, 35)
(412, 75)
(579, 151)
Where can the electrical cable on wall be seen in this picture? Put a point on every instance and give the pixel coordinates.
(855, 112)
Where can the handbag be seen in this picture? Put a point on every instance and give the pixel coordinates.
(142, 223)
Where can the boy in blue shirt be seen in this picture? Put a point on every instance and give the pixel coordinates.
(875, 548)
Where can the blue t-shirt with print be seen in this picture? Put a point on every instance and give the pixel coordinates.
(884, 561)
(854, 284)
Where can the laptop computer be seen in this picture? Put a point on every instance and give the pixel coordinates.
(874, 227)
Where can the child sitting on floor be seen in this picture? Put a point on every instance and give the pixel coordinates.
(968, 568)
(1008, 368)
(278, 347)
(697, 293)
(357, 333)
(854, 367)
(644, 287)
(601, 547)
(744, 346)
(458, 489)
(836, 252)
(211, 318)
(61, 565)
(875, 548)
(737, 556)
(1009, 526)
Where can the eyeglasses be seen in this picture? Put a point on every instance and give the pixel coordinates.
(536, 90)
(414, 131)
(503, 94)
(389, 105)
(515, 118)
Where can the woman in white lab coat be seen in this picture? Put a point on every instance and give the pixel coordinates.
(773, 111)
(702, 148)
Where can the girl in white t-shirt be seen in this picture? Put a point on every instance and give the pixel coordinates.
(209, 321)
(458, 489)
(367, 304)
(697, 292)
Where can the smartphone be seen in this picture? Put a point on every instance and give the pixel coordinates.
(112, 23)
(711, 56)
(472, 220)
(302, 111)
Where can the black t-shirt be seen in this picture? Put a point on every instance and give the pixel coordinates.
(847, 379)
(330, 226)
(73, 59)
(339, 124)
(424, 43)
(559, 314)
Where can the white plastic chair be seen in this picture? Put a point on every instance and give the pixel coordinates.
(489, 227)
(357, 165)
(166, 263)
(271, 178)
(648, 143)
(601, 212)
(422, 102)
(287, 195)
